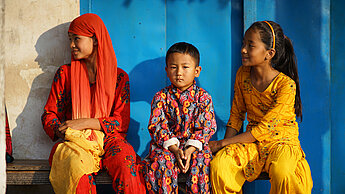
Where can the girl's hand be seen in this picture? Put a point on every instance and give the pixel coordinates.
(187, 153)
(60, 134)
(78, 124)
(215, 146)
(179, 155)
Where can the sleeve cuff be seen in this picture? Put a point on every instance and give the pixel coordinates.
(258, 136)
(195, 143)
(171, 142)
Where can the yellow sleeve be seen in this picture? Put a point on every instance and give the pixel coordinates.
(238, 108)
(283, 105)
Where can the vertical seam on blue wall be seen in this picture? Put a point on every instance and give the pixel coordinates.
(165, 36)
(330, 93)
(85, 6)
(249, 13)
(325, 56)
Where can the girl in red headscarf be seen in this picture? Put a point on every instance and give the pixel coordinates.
(88, 108)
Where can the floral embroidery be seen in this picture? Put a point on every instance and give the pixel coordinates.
(114, 150)
(125, 93)
(119, 186)
(91, 180)
(54, 123)
(110, 125)
(59, 109)
(249, 169)
(61, 100)
(271, 118)
(119, 78)
(58, 73)
(247, 85)
(131, 165)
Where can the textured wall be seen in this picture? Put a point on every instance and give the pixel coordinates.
(2, 108)
(36, 45)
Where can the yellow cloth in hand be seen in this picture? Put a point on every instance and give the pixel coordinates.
(74, 158)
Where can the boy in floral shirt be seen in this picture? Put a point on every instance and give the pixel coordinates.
(181, 123)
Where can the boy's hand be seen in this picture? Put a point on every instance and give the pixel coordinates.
(187, 153)
(215, 146)
(179, 155)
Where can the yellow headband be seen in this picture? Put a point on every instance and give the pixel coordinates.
(274, 36)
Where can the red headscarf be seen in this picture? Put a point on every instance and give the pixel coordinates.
(102, 100)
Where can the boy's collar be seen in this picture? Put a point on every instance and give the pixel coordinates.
(189, 89)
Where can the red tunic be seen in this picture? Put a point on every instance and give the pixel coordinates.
(59, 106)
(119, 159)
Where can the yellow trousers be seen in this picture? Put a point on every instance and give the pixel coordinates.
(288, 170)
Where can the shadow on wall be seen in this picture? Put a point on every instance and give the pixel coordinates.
(30, 140)
(146, 78)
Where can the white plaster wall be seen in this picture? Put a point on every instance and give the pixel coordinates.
(2, 108)
(36, 45)
(2, 126)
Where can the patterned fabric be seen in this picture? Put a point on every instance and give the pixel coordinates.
(87, 184)
(187, 115)
(272, 121)
(119, 159)
(271, 115)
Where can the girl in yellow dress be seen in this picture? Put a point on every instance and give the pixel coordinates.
(267, 89)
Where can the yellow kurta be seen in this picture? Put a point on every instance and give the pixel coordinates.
(272, 121)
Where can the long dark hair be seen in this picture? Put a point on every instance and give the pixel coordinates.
(284, 59)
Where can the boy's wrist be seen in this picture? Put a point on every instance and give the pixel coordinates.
(191, 147)
(173, 148)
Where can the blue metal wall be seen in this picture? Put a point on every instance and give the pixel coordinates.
(307, 23)
(142, 30)
(337, 96)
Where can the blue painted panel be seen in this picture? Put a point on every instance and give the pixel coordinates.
(258, 11)
(192, 21)
(142, 31)
(137, 30)
(313, 59)
(337, 95)
(307, 24)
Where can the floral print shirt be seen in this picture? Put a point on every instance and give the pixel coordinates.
(186, 116)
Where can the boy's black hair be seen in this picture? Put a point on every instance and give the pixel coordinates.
(184, 48)
(285, 59)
